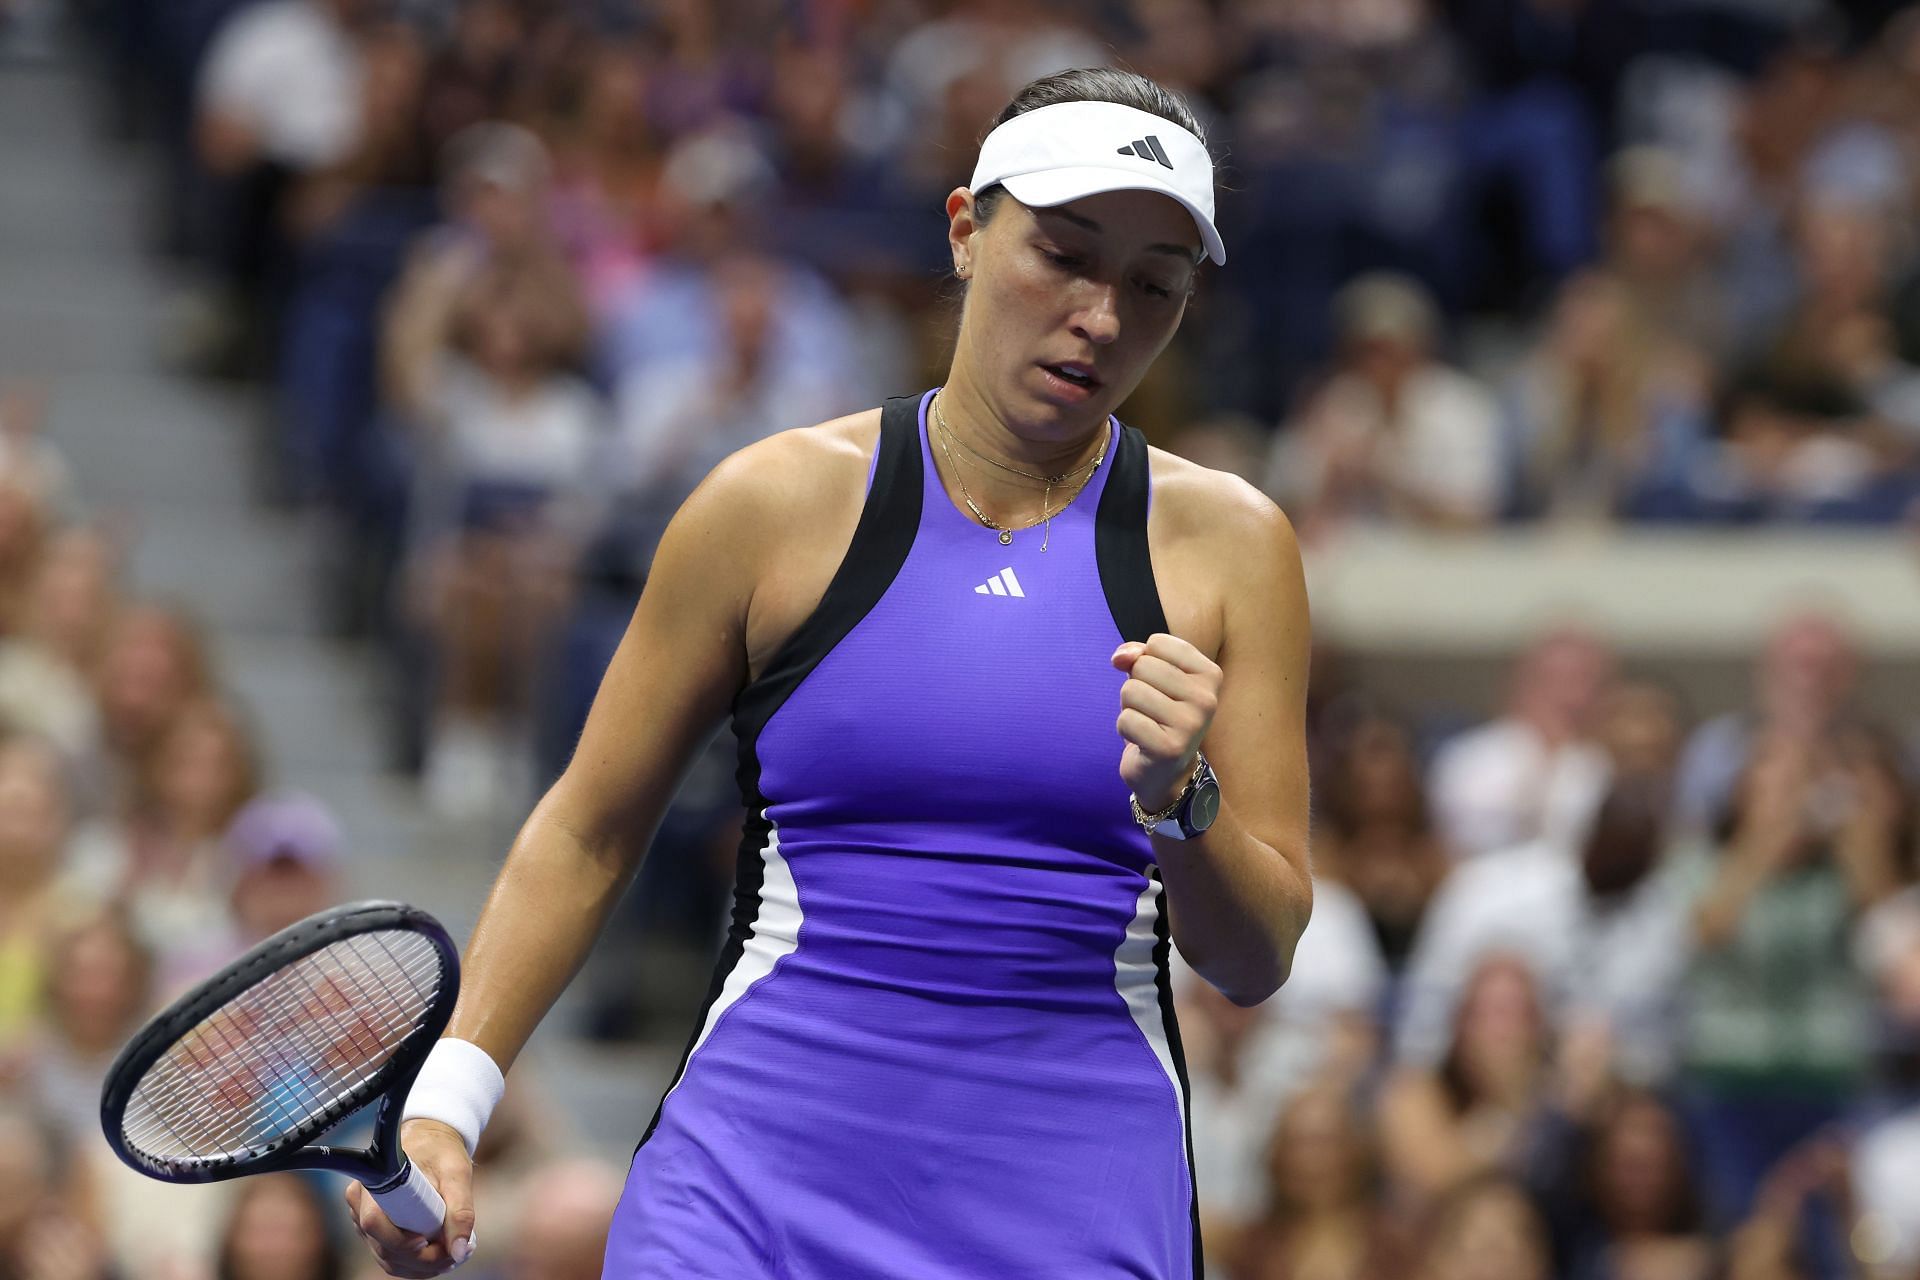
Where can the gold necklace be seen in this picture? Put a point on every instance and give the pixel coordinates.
(1046, 516)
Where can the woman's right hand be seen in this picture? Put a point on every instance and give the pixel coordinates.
(438, 1152)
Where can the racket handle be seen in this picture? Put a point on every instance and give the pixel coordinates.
(413, 1204)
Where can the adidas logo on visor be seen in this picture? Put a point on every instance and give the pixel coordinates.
(1147, 148)
(1002, 583)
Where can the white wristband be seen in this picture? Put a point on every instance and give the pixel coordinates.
(458, 1085)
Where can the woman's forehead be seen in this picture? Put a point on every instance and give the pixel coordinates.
(1143, 221)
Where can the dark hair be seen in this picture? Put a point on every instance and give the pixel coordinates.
(329, 1262)
(1088, 84)
(1685, 1213)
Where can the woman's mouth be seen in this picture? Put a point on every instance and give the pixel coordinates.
(1072, 378)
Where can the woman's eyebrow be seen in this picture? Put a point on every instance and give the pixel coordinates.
(1184, 252)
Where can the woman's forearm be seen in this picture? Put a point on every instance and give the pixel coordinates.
(1237, 907)
(541, 919)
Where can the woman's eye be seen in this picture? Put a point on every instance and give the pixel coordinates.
(1156, 290)
(1065, 261)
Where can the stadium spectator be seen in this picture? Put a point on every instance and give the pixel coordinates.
(1658, 252)
(1373, 831)
(47, 668)
(24, 527)
(165, 859)
(44, 1231)
(1777, 1023)
(1244, 1064)
(509, 438)
(1323, 1215)
(154, 662)
(495, 189)
(28, 458)
(1535, 772)
(36, 821)
(1487, 1228)
(279, 1231)
(680, 417)
(1601, 925)
(1500, 1100)
(1606, 413)
(278, 99)
(563, 1222)
(1394, 433)
(1640, 1212)
(1885, 1160)
(99, 985)
(1803, 685)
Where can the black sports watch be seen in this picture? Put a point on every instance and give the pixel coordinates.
(1191, 813)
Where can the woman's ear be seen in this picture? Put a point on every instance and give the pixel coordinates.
(961, 229)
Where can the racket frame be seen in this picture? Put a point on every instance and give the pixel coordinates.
(381, 1165)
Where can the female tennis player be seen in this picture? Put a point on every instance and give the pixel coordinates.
(939, 1042)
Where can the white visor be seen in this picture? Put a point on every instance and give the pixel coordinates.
(1055, 154)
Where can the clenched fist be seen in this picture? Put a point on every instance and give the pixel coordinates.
(1166, 706)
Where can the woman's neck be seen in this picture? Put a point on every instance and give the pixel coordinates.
(968, 415)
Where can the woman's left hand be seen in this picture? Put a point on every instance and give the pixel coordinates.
(1167, 703)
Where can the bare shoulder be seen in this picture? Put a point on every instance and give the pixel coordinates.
(801, 472)
(784, 510)
(1216, 507)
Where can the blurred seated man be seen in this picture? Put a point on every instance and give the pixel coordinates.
(1535, 772)
(1599, 922)
(1803, 684)
(278, 98)
(1394, 433)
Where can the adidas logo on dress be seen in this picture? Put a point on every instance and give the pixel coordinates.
(1002, 583)
(1147, 148)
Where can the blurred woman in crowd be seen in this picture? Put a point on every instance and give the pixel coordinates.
(153, 663)
(1640, 1214)
(98, 988)
(1603, 407)
(1776, 1035)
(1486, 1228)
(1324, 1217)
(1375, 833)
(1497, 1102)
(165, 859)
(510, 438)
(47, 669)
(23, 535)
(35, 822)
(44, 1232)
(278, 1231)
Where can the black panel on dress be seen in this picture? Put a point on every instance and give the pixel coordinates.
(888, 522)
(1120, 542)
(1126, 575)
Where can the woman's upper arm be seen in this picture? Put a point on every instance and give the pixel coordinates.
(677, 667)
(1257, 741)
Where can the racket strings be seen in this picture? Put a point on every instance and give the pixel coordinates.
(278, 1056)
(259, 1089)
(265, 1070)
(287, 1053)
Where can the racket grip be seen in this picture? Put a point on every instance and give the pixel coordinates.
(413, 1204)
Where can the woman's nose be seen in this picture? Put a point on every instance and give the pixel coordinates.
(1099, 318)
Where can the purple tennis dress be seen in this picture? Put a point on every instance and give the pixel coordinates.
(940, 1041)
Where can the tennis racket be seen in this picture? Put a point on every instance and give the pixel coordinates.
(245, 1072)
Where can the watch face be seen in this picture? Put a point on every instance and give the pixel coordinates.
(1205, 807)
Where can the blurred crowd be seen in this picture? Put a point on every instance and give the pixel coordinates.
(142, 847)
(1591, 991)
(1594, 989)
(518, 274)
